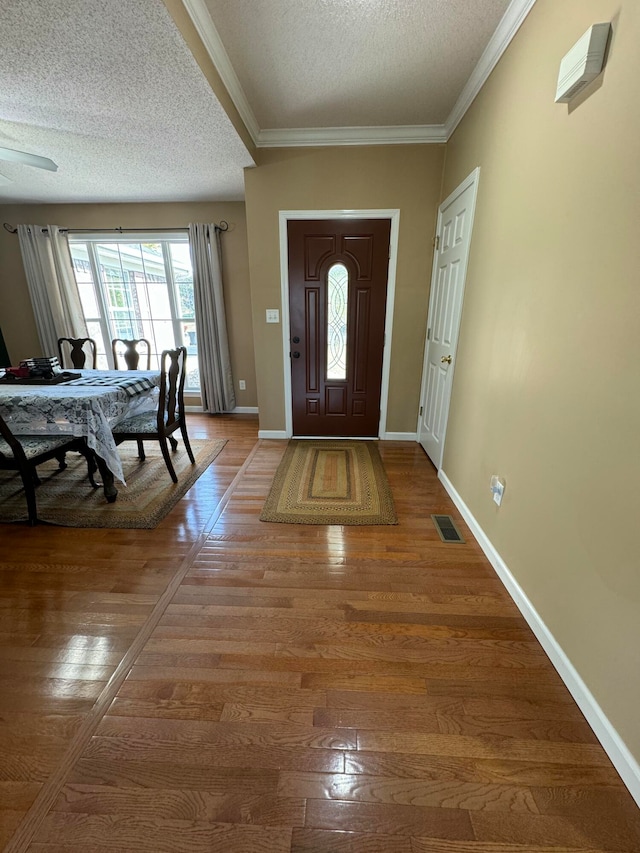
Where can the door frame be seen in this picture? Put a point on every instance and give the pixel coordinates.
(284, 217)
(471, 180)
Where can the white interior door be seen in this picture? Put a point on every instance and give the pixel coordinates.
(455, 221)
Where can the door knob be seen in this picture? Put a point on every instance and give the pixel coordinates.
(295, 354)
(446, 359)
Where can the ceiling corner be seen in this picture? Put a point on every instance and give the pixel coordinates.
(509, 25)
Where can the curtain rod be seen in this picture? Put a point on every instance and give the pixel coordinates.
(223, 226)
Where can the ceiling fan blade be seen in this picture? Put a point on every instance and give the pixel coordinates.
(29, 159)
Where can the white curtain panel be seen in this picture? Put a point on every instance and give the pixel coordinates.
(52, 285)
(216, 381)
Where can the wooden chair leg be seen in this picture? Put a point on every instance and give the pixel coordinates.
(167, 458)
(92, 467)
(185, 438)
(62, 461)
(30, 494)
(141, 453)
(174, 443)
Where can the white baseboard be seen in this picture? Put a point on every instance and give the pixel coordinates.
(272, 433)
(400, 436)
(614, 746)
(239, 410)
(388, 436)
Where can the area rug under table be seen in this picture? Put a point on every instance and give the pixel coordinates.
(67, 498)
(330, 481)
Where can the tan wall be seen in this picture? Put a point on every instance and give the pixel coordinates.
(378, 177)
(546, 386)
(16, 316)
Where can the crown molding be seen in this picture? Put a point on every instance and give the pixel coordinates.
(207, 31)
(318, 136)
(509, 25)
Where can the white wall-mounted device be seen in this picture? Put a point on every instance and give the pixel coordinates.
(583, 63)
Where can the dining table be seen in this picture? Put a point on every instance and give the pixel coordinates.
(88, 406)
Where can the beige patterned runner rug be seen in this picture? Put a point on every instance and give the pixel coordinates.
(330, 481)
(66, 497)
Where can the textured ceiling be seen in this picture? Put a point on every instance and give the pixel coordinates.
(109, 90)
(337, 63)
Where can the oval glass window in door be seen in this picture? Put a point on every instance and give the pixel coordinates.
(337, 305)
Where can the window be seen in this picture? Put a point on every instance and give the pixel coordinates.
(337, 304)
(138, 289)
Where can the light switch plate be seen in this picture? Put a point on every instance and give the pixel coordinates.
(273, 315)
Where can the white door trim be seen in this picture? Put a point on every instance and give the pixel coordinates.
(284, 217)
(471, 180)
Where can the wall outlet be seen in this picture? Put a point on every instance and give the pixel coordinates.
(242, 385)
(273, 315)
(497, 488)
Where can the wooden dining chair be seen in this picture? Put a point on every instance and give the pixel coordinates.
(170, 416)
(77, 353)
(24, 453)
(129, 351)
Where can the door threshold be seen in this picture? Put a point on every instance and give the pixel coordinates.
(336, 437)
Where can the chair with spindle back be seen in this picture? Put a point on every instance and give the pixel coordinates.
(129, 351)
(77, 352)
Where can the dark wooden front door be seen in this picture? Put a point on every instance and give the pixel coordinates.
(337, 300)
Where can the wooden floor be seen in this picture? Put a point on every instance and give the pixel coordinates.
(222, 684)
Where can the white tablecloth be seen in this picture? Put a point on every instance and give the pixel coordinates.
(82, 410)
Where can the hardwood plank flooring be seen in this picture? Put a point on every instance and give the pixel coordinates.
(220, 683)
